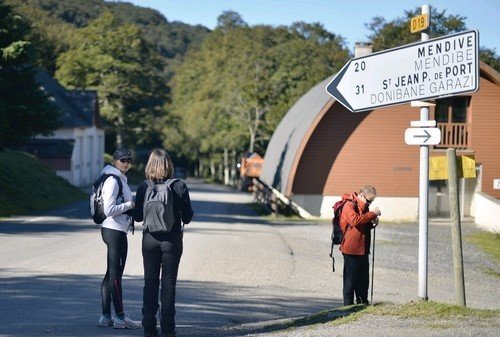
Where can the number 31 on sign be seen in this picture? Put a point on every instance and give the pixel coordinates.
(419, 23)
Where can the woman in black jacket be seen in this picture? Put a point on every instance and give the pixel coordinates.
(161, 251)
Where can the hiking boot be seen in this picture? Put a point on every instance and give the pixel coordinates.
(153, 333)
(105, 321)
(362, 301)
(125, 323)
(168, 334)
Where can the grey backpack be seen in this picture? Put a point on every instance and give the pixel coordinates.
(159, 207)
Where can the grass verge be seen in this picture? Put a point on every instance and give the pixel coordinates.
(27, 185)
(421, 309)
(488, 242)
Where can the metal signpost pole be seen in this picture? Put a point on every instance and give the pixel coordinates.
(424, 197)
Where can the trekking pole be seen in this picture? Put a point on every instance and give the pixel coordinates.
(373, 265)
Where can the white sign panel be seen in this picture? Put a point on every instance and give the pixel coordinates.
(435, 68)
(423, 136)
(496, 184)
(430, 123)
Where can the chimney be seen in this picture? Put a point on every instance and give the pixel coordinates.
(363, 48)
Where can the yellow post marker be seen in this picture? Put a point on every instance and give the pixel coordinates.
(438, 167)
(419, 23)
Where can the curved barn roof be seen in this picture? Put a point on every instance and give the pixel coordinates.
(490, 73)
(288, 136)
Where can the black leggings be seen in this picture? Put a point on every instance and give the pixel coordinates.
(356, 278)
(111, 287)
(161, 256)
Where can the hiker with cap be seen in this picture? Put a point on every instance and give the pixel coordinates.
(118, 208)
(356, 222)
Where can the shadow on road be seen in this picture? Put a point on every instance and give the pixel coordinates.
(22, 227)
(211, 188)
(69, 305)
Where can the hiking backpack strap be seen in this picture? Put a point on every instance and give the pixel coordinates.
(170, 182)
(150, 183)
(118, 180)
(355, 205)
(120, 192)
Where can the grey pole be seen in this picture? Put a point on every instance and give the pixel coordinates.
(423, 221)
(456, 232)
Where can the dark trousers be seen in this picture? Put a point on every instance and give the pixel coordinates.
(356, 278)
(111, 286)
(160, 253)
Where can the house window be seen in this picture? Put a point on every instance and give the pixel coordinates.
(452, 110)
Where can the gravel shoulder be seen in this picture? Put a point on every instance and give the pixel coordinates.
(372, 325)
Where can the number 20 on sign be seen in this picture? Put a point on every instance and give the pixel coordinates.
(419, 23)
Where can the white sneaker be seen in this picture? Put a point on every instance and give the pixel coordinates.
(125, 323)
(105, 321)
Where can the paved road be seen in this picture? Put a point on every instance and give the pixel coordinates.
(237, 268)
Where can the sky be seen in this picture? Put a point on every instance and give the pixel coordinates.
(342, 17)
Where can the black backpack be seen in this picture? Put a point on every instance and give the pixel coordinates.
(96, 202)
(158, 207)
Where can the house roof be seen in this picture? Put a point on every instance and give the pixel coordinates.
(78, 107)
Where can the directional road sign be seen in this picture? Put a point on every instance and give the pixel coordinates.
(423, 136)
(435, 68)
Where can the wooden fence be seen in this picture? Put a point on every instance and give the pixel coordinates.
(272, 200)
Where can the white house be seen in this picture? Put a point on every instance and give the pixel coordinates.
(76, 149)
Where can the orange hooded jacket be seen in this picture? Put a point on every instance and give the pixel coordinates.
(355, 222)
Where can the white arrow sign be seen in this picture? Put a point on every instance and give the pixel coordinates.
(435, 68)
(422, 136)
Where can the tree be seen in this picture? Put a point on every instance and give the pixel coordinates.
(200, 126)
(395, 33)
(115, 59)
(229, 20)
(231, 92)
(490, 57)
(55, 20)
(269, 68)
(25, 110)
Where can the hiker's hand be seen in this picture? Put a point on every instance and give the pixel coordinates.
(377, 211)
